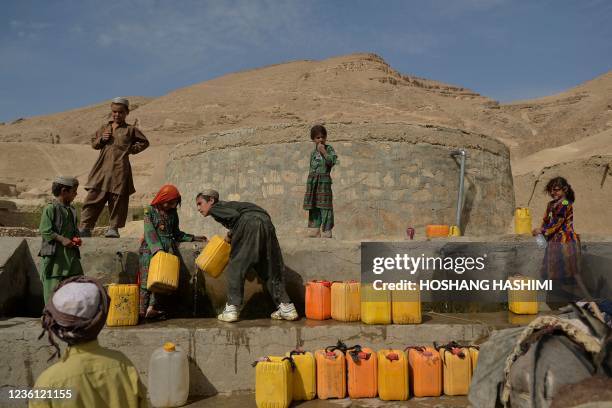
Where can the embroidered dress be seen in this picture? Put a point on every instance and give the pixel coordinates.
(161, 233)
(562, 256)
(318, 199)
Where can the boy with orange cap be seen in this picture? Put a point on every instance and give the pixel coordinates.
(161, 233)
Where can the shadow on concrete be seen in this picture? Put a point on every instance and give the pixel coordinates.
(33, 300)
(21, 293)
(199, 382)
(294, 284)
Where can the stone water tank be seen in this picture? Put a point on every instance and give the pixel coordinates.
(389, 176)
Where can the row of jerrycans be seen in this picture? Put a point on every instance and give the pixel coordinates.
(350, 301)
(363, 373)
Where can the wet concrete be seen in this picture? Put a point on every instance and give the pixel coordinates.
(248, 401)
(116, 261)
(220, 354)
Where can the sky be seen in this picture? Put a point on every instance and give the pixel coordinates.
(60, 55)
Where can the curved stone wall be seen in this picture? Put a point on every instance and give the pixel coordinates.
(389, 176)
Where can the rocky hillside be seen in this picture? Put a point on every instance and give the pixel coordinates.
(560, 133)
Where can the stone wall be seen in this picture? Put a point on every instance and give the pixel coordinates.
(389, 176)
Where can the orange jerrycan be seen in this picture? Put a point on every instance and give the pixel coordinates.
(392, 375)
(304, 375)
(123, 308)
(522, 221)
(273, 382)
(437, 231)
(331, 373)
(522, 301)
(318, 300)
(345, 301)
(214, 256)
(406, 306)
(375, 305)
(473, 350)
(362, 370)
(425, 371)
(457, 369)
(163, 273)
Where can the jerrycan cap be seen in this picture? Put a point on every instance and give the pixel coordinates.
(169, 347)
(392, 356)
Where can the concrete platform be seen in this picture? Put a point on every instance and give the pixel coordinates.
(221, 353)
(248, 401)
(116, 261)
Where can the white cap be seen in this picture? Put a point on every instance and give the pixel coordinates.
(80, 299)
(66, 181)
(121, 101)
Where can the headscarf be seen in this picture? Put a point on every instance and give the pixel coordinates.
(75, 313)
(167, 193)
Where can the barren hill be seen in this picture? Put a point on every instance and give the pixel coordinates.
(559, 133)
(351, 88)
(73, 126)
(556, 120)
(358, 87)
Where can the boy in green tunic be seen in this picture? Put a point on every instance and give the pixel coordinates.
(59, 252)
(254, 245)
(318, 196)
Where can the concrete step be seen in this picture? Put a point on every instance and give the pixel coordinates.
(221, 353)
(248, 401)
(116, 261)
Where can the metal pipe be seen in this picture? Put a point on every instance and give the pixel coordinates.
(461, 153)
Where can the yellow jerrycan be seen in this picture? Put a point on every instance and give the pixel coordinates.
(522, 302)
(457, 369)
(454, 231)
(273, 382)
(304, 375)
(123, 308)
(214, 256)
(406, 306)
(163, 273)
(345, 301)
(392, 375)
(522, 221)
(375, 305)
(474, 351)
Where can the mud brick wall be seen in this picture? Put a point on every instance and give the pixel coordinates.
(389, 176)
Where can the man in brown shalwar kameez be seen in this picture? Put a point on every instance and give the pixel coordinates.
(110, 179)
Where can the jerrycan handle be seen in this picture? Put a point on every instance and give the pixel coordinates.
(291, 362)
(357, 353)
(260, 360)
(339, 346)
